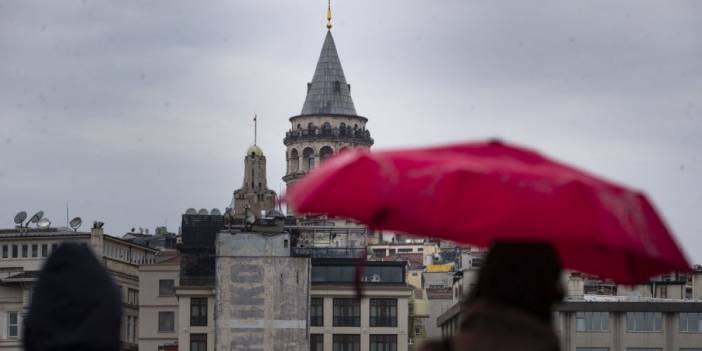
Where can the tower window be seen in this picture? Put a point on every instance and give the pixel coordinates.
(337, 86)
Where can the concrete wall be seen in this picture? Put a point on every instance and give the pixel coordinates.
(262, 294)
(436, 308)
(437, 279)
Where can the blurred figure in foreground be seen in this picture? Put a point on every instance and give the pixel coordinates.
(75, 304)
(510, 307)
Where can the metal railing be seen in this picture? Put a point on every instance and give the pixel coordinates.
(327, 252)
(358, 135)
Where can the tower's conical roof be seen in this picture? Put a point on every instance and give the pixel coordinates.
(328, 93)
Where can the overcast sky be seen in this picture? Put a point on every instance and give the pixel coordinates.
(133, 111)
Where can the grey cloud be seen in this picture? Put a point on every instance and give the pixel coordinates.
(133, 111)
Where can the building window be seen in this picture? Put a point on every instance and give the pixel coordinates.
(198, 311)
(346, 342)
(383, 312)
(198, 342)
(347, 313)
(644, 321)
(54, 247)
(135, 328)
(317, 312)
(44, 250)
(592, 349)
(383, 343)
(25, 251)
(14, 251)
(13, 324)
(379, 252)
(316, 342)
(35, 250)
(166, 287)
(133, 297)
(129, 328)
(691, 322)
(166, 321)
(591, 321)
(5, 251)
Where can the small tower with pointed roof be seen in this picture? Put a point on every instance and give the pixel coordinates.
(328, 122)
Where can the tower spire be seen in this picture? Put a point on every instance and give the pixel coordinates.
(329, 16)
(255, 127)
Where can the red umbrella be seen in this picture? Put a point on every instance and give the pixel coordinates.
(476, 193)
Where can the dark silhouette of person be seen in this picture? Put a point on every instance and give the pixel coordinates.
(75, 304)
(510, 307)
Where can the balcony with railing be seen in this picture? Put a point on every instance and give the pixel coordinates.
(357, 136)
(327, 252)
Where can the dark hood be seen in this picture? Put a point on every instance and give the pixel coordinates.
(75, 304)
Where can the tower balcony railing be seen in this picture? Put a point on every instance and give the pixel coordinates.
(359, 136)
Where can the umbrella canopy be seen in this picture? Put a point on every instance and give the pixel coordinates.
(478, 193)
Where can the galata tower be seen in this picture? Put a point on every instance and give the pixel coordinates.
(328, 122)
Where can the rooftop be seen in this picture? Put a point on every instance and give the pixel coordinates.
(328, 93)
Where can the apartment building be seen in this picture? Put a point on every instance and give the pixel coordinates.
(158, 305)
(340, 320)
(427, 249)
(22, 254)
(602, 316)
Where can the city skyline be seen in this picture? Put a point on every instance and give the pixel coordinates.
(131, 113)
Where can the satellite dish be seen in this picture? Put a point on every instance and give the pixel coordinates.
(20, 217)
(37, 216)
(43, 223)
(203, 211)
(191, 211)
(75, 223)
(215, 212)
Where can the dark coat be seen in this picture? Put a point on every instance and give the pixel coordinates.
(493, 326)
(75, 304)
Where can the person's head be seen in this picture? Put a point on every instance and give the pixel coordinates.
(75, 304)
(524, 275)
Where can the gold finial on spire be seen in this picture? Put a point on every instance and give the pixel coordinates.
(329, 24)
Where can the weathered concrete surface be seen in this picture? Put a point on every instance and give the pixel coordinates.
(261, 301)
(253, 245)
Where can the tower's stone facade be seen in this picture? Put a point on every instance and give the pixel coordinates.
(254, 193)
(328, 122)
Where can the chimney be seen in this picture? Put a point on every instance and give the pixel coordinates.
(96, 239)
